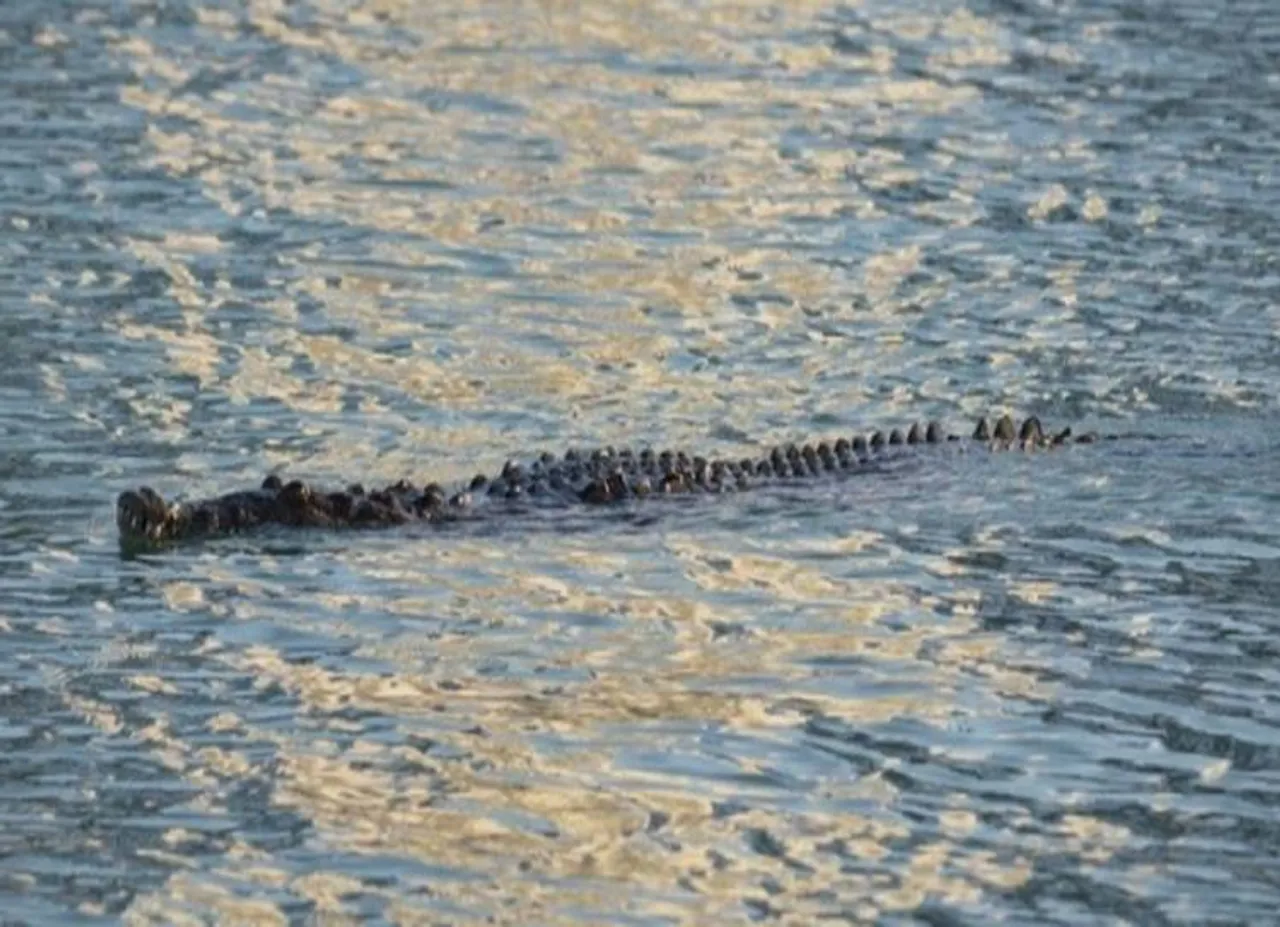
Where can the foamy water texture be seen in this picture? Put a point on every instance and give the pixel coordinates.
(372, 240)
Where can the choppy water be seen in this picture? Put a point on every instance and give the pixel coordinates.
(369, 240)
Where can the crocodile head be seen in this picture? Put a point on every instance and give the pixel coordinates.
(142, 515)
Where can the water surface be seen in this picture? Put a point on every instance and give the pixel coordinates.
(367, 240)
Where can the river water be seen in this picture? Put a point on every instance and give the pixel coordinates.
(364, 240)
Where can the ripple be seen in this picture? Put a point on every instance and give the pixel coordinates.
(356, 241)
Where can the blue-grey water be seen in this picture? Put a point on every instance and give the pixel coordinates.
(367, 239)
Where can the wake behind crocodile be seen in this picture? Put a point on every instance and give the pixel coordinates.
(580, 478)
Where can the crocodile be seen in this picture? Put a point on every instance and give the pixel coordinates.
(601, 476)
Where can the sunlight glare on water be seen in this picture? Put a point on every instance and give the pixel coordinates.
(370, 240)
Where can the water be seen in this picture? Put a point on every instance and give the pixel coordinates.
(370, 240)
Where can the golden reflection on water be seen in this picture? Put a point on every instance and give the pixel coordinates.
(613, 172)
(566, 229)
(471, 781)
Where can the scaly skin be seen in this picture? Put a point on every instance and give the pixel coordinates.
(596, 477)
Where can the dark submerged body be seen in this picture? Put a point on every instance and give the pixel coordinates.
(595, 477)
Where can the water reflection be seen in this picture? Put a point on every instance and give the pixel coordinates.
(364, 240)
